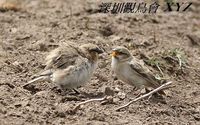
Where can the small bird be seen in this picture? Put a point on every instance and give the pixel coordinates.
(69, 66)
(131, 70)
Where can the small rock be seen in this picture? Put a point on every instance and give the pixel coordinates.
(13, 30)
(107, 31)
(18, 66)
(42, 94)
(117, 89)
(121, 95)
(51, 40)
(168, 93)
(109, 100)
(198, 109)
(16, 63)
(115, 38)
(21, 103)
(3, 110)
(108, 91)
(143, 91)
(115, 100)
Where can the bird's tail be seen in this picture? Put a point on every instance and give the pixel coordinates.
(38, 79)
(46, 75)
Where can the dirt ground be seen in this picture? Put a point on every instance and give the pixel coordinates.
(28, 34)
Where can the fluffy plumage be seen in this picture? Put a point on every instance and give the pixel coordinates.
(70, 66)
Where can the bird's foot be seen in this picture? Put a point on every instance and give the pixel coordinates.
(76, 91)
(140, 92)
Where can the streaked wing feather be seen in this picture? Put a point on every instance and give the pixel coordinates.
(144, 72)
(64, 61)
(61, 58)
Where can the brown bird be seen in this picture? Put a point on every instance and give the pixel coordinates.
(131, 70)
(70, 66)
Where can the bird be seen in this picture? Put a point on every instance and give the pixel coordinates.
(131, 70)
(70, 66)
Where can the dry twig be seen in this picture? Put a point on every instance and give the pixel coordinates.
(146, 95)
(161, 72)
(87, 101)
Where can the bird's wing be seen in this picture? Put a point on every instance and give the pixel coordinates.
(62, 58)
(144, 72)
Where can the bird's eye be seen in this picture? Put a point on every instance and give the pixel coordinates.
(122, 53)
(98, 50)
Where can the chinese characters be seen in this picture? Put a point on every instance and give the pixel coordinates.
(133, 7)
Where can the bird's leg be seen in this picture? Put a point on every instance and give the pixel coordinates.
(69, 92)
(149, 97)
(153, 95)
(56, 89)
(140, 92)
(134, 88)
(76, 91)
(147, 91)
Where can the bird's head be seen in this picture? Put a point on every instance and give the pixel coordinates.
(121, 53)
(91, 51)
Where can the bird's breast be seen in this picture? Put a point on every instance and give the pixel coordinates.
(114, 64)
(75, 76)
(125, 73)
(84, 73)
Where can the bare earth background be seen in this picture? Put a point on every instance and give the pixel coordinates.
(27, 35)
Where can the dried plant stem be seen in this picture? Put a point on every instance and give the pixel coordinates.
(88, 101)
(160, 70)
(146, 95)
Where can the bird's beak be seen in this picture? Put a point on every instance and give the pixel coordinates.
(114, 54)
(98, 50)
